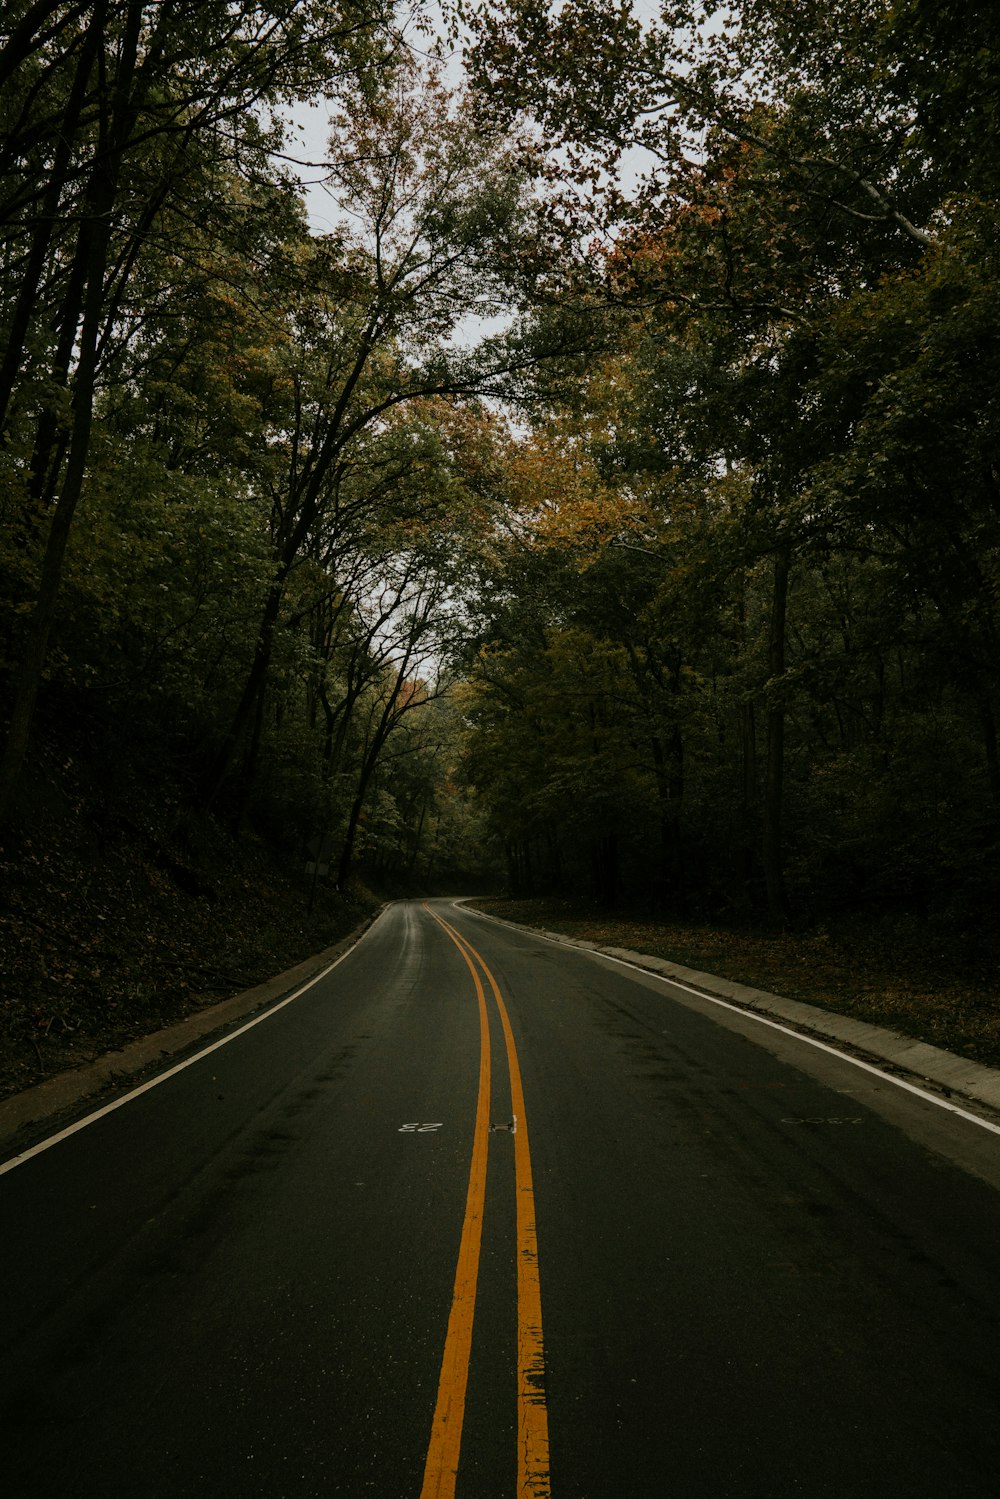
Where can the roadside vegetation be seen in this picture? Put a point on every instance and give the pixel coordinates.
(119, 918)
(604, 506)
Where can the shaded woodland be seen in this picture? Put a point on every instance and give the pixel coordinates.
(741, 652)
(607, 507)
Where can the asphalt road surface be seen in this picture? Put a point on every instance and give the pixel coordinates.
(708, 1261)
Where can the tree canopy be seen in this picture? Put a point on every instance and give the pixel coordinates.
(612, 492)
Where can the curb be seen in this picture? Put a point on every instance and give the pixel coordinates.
(927, 1065)
(33, 1110)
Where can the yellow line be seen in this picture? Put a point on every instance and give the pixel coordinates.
(532, 1411)
(441, 1468)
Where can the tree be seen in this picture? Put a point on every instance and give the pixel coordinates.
(599, 82)
(433, 216)
(107, 106)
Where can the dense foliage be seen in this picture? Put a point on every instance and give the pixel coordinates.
(244, 464)
(683, 583)
(742, 653)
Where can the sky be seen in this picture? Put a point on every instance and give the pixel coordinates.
(311, 127)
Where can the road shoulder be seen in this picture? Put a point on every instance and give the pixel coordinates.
(929, 1066)
(34, 1112)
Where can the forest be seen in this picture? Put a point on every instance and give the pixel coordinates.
(604, 505)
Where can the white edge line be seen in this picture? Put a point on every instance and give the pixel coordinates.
(162, 1077)
(775, 1025)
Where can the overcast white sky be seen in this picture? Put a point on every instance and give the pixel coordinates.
(311, 129)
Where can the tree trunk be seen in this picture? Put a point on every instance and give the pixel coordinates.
(35, 652)
(989, 724)
(353, 821)
(773, 855)
(44, 229)
(604, 865)
(92, 258)
(748, 788)
(417, 837)
(246, 708)
(747, 832)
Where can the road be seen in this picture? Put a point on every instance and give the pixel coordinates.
(710, 1261)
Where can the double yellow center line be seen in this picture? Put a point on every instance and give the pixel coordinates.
(441, 1470)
